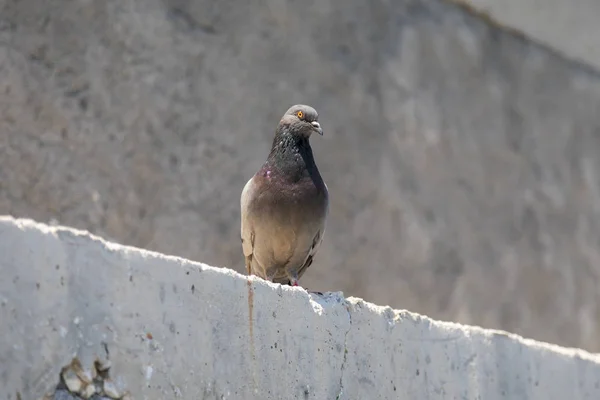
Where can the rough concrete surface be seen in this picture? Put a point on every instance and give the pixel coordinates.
(569, 26)
(463, 162)
(171, 328)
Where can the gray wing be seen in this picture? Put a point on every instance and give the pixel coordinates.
(318, 238)
(313, 237)
(311, 253)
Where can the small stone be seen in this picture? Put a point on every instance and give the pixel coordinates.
(110, 389)
(64, 394)
(76, 366)
(127, 397)
(71, 380)
(102, 365)
(86, 376)
(88, 391)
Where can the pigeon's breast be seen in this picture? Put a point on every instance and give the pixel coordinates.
(280, 197)
(286, 219)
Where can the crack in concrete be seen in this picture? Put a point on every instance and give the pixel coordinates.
(339, 395)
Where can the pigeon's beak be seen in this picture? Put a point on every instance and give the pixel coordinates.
(317, 127)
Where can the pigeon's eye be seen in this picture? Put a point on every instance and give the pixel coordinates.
(300, 114)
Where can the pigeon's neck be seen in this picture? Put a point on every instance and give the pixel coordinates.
(286, 144)
(291, 157)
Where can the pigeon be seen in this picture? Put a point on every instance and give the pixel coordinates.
(285, 204)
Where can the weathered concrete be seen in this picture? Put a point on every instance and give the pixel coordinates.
(172, 328)
(462, 161)
(571, 27)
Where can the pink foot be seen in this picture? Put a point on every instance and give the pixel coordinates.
(294, 282)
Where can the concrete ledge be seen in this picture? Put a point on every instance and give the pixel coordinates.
(172, 328)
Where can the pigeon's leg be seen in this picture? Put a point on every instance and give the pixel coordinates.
(294, 281)
(270, 273)
(270, 277)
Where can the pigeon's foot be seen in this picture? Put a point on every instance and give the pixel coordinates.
(294, 281)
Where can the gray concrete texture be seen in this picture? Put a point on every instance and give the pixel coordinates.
(569, 26)
(172, 328)
(462, 161)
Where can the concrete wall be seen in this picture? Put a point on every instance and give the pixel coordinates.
(463, 161)
(171, 328)
(571, 27)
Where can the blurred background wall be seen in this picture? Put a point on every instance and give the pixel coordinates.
(463, 160)
(571, 27)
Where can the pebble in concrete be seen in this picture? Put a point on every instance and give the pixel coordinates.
(94, 384)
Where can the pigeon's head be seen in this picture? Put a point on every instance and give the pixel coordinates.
(301, 120)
